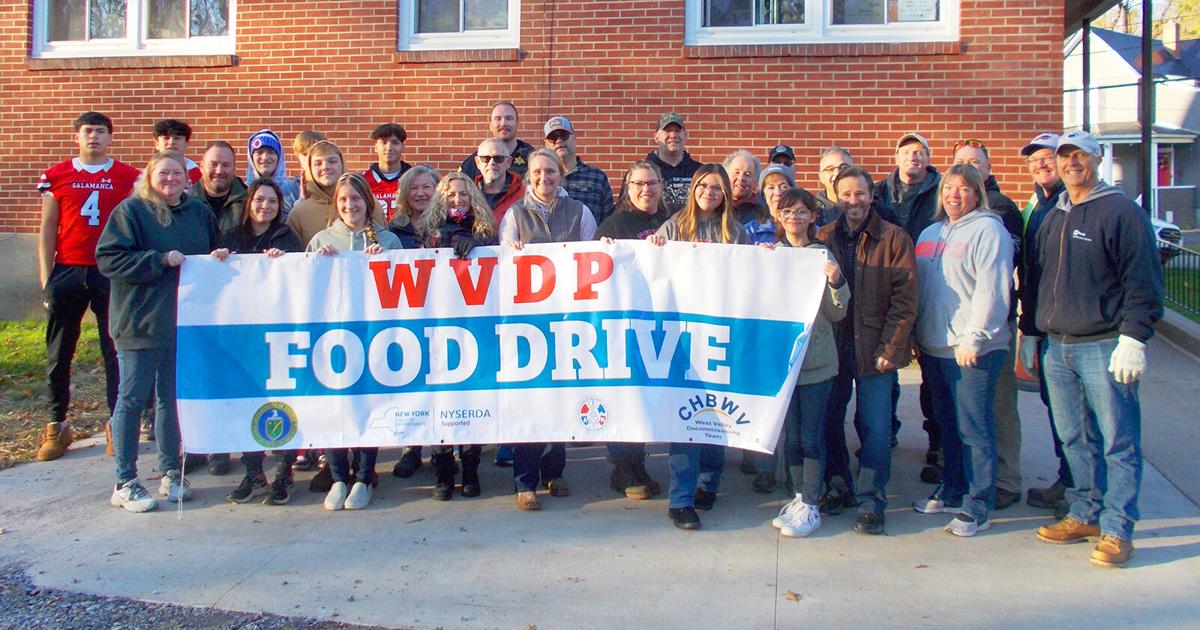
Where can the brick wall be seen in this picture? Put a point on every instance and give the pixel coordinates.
(611, 67)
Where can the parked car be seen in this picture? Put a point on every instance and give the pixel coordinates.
(1167, 233)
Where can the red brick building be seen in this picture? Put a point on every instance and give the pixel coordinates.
(744, 74)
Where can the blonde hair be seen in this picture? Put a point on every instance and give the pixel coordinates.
(306, 139)
(485, 223)
(360, 186)
(142, 189)
(688, 219)
(406, 182)
(972, 178)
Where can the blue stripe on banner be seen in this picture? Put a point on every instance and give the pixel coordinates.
(748, 356)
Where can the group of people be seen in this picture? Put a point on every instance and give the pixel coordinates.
(920, 263)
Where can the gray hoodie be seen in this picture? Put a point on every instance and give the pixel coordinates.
(344, 239)
(964, 272)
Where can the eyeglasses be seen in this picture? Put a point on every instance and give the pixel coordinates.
(1040, 160)
(970, 142)
(558, 135)
(488, 158)
(835, 168)
(652, 183)
(794, 212)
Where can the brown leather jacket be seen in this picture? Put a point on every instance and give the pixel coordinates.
(884, 294)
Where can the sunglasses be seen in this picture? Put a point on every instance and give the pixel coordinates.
(488, 158)
(970, 142)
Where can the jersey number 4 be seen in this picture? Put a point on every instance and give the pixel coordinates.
(91, 208)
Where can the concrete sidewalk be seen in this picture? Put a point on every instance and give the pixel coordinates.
(595, 559)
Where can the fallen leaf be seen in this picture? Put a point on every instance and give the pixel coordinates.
(792, 596)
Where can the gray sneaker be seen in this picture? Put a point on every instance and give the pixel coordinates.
(175, 488)
(133, 497)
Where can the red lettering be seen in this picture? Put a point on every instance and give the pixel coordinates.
(525, 293)
(586, 276)
(390, 288)
(474, 294)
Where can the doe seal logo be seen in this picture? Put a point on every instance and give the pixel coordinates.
(593, 415)
(273, 424)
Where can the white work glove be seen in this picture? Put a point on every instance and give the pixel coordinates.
(1128, 361)
(1027, 353)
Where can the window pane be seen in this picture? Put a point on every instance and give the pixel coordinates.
(437, 16)
(106, 20)
(209, 17)
(780, 12)
(485, 15)
(728, 13)
(165, 19)
(913, 11)
(66, 19)
(858, 11)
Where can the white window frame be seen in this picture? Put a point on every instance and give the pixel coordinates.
(135, 43)
(409, 39)
(817, 30)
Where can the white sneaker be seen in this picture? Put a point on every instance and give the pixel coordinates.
(360, 496)
(336, 499)
(133, 497)
(174, 488)
(785, 513)
(805, 520)
(966, 526)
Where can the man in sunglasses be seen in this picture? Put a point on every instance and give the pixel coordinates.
(500, 186)
(503, 124)
(584, 183)
(1008, 421)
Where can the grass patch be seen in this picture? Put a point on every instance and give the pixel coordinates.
(24, 407)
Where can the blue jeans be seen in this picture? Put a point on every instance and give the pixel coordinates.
(693, 465)
(804, 439)
(339, 464)
(1100, 423)
(534, 463)
(1064, 469)
(874, 412)
(143, 371)
(964, 408)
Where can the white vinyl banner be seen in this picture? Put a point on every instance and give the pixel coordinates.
(623, 342)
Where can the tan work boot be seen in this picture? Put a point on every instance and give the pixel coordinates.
(56, 437)
(1067, 531)
(108, 438)
(1112, 551)
(527, 501)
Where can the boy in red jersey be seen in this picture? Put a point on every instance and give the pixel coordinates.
(77, 196)
(174, 135)
(384, 175)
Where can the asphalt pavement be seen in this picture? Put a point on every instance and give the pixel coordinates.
(597, 560)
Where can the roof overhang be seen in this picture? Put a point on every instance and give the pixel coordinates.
(1079, 11)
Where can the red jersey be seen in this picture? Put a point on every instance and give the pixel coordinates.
(383, 188)
(86, 195)
(193, 171)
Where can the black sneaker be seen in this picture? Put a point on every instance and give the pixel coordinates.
(684, 518)
(931, 474)
(252, 486)
(869, 523)
(1006, 499)
(192, 461)
(218, 464)
(444, 489)
(639, 471)
(764, 483)
(704, 499)
(281, 492)
(410, 461)
(322, 481)
(470, 483)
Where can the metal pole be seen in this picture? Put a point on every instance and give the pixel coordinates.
(1086, 119)
(1146, 107)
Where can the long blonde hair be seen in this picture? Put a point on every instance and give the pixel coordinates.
(360, 186)
(142, 189)
(435, 216)
(688, 219)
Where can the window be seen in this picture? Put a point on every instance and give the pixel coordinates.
(459, 24)
(102, 28)
(722, 22)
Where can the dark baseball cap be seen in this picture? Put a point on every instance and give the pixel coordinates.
(670, 118)
(781, 149)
